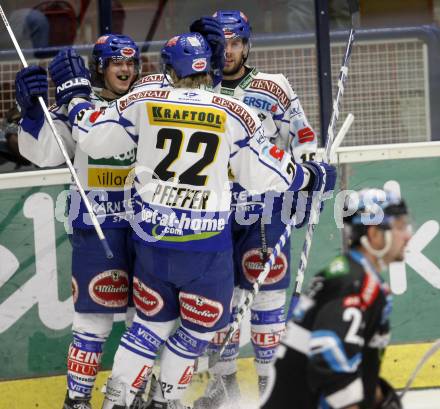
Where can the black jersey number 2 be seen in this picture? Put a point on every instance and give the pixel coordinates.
(191, 176)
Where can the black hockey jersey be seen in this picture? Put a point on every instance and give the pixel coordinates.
(331, 352)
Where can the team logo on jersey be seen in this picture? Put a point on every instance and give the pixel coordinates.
(200, 310)
(187, 116)
(199, 64)
(252, 264)
(75, 290)
(128, 52)
(148, 301)
(110, 288)
(185, 379)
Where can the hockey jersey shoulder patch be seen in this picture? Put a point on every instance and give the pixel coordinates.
(338, 266)
(273, 88)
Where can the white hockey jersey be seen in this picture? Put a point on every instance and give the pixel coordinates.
(279, 109)
(189, 142)
(285, 125)
(102, 179)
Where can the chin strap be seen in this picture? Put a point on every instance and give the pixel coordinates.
(378, 253)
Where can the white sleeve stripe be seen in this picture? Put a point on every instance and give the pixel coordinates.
(297, 337)
(351, 394)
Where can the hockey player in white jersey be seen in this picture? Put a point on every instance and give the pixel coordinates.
(285, 125)
(189, 142)
(100, 286)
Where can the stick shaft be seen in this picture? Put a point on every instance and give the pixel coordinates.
(95, 222)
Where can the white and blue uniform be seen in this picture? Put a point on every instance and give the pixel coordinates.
(100, 287)
(189, 142)
(285, 125)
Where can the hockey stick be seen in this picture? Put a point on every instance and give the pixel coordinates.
(95, 222)
(314, 216)
(242, 309)
(431, 351)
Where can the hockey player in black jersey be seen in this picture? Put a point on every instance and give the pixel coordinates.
(331, 353)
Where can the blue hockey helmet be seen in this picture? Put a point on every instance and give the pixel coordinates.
(114, 47)
(234, 24)
(188, 54)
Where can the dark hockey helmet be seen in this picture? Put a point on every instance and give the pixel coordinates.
(114, 47)
(188, 54)
(234, 24)
(369, 207)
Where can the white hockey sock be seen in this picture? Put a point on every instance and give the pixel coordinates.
(267, 326)
(178, 358)
(135, 357)
(90, 331)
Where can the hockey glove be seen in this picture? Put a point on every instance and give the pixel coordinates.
(31, 83)
(303, 199)
(70, 76)
(390, 398)
(212, 31)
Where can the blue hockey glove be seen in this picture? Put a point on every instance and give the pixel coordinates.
(31, 83)
(319, 170)
(211, 29)
(303, 199)
(70, 76)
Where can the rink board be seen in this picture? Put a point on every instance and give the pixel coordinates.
(48, 392)
(35, 303)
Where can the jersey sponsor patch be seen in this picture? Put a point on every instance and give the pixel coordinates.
(306, 135)
(107, 177)
(369, 291)
(75, 290)
(260, 103)
(149, 78)
(272, 88)
(187, 116)
(123, 159)
(148, 301)
(252, 264)
(238, 110)
(126, 101)
(110, 288)
(200, 310)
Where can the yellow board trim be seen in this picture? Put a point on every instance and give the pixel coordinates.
(48, 393)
